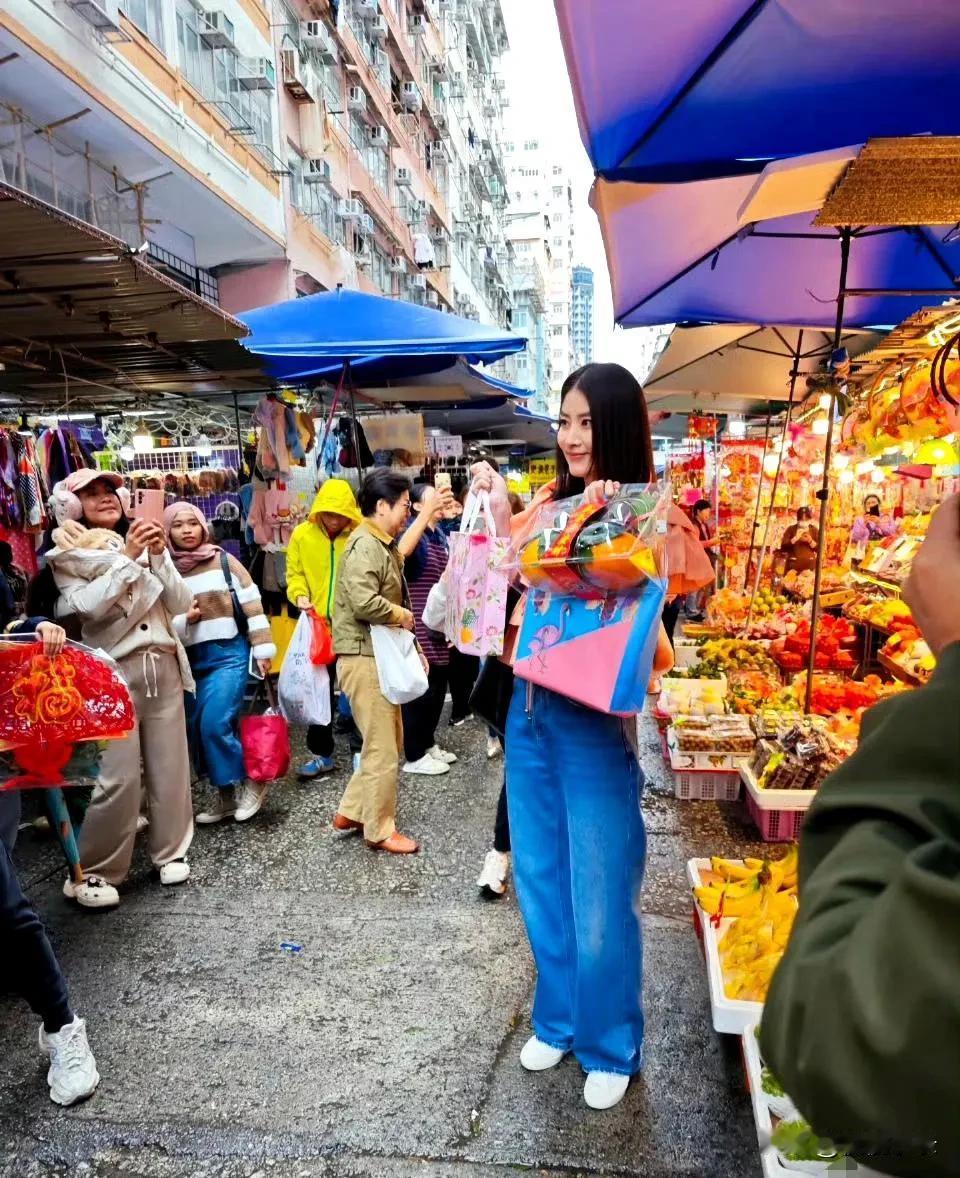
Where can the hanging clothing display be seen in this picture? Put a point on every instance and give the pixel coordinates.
(423, 252)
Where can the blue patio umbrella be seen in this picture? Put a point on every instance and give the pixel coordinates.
(688, 89)
(381, 339)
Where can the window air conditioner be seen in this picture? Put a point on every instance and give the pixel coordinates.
(418, 281)
(433, 299)
(315, 35)
(378, 28)
(398, 265)
(256, 73)
(367, 8)
(349, 208)
(367, 224)
(403, 177)
(217, 31)
(356, 98)
(418, 25)
(410, 95)
(103, 15)
(379, 136)
(318, 172)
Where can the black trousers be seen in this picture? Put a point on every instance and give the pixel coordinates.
(464, 669)
(421, 716)
(32, 968)
(320, 736)
(501, 829)
(671, 613)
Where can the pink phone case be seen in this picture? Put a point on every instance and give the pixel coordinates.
(148, 504)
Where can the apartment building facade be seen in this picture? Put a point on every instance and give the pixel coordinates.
(261, 149)
(581, 314)
(542, 220)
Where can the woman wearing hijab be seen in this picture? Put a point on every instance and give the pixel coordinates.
(223, 623)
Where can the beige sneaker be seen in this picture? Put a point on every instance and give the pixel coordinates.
(252, 797)
(222, 806)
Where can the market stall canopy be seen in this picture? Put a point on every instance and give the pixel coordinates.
(382, 339)
(693, 89)
(739, 367)
(690, 253)
(459, 382)
(506, 425)
(83, 315)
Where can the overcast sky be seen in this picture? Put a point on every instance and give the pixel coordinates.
(541, 106)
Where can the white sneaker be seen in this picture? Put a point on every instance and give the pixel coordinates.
(605, 1089)
(177, 872)
(427, 766)
(73, 1071)
(442, 755)
(94, 892)
(252, 797)
(222, 805)
(142, 823)
(537, 1056)
(494, 747)
(493, 877)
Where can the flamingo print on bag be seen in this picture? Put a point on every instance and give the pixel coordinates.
(548, 636)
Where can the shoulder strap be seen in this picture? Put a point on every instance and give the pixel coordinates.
(225, 567)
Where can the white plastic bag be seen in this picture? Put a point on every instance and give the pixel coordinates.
(304, 688)
(435, 608)
(401, 674)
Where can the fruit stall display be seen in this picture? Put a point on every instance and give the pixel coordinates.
(834, 650)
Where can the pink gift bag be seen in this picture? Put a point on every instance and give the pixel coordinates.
(477, 584)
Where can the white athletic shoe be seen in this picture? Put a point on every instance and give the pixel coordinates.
(252, 797)
(222, 805)
(537, 1056)
(442, 755)
(94, 892)
(494, 747)
(426, 766)
(605, 1089)
(493, 877)
(142, 823)
(176, 872)
(73, 1071)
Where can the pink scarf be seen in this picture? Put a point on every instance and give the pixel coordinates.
(187, 561)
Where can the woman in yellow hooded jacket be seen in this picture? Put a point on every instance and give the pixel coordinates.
(313, 556)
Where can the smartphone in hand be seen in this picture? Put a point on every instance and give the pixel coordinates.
(148, 505)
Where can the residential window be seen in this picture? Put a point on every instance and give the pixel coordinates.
(556, 330)
(145, 14)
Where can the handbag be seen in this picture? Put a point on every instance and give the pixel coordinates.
(477, 583)
(265, 740)
(239, 617)
(435, 607)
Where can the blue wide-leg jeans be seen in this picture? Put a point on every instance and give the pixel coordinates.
(579, 848)
(221, 669)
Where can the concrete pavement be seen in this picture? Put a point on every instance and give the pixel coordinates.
(388, 1042)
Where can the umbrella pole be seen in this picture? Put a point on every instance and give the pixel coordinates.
(756, 510)
(776, 478)
(353, 419)
(824, 492)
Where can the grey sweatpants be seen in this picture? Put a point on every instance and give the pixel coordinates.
(160, 738)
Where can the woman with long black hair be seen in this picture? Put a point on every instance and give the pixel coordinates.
(574, 785)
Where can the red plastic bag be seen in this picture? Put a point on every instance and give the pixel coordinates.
(321, 641)
(266, 746)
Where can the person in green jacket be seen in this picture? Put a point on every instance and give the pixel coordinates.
(862, 1022)
(313, 554)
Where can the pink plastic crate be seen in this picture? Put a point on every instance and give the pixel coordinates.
(705, 785)
(776, 826)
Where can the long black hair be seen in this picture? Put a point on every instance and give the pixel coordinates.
(622, 446)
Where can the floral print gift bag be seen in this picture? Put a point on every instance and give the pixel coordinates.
(477, 582)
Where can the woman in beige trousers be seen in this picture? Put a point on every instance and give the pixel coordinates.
(119, 581)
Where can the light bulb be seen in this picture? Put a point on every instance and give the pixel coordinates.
(877, 476)
(841, 461)
(846, 476)
(725, 472)
(816, 469)
(950, 439)
(825, 401)
(142, 438)
(127, 454)
(204, 446)
(771, 464)
(821, 426)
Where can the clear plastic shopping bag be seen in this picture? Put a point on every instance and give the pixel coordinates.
(304, 688)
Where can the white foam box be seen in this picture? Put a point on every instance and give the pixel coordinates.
(731, 1016)
(714, 762)
(775, 799)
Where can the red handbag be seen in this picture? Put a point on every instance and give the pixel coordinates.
(321, 641)
(265, 740)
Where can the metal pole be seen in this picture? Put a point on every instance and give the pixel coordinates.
(824, 492)
(756, 510)
(776, 478)
(353, 419)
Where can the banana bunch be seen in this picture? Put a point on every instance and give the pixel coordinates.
(746, 884)
(751, 949)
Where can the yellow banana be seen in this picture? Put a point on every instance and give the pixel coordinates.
(741, 890)
(730, 870)
(753, 864)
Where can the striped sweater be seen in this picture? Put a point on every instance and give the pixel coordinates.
(212, 596)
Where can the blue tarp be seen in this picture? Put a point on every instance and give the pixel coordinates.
(382, 339)
(688, 89)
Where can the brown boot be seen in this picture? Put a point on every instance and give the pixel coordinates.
(396, 844)
(345, 825)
